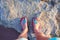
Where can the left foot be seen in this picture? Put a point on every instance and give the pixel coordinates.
(23, 23)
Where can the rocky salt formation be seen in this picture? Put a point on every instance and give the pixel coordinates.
(49, 14)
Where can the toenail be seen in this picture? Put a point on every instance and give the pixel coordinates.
(35, 21)
(24, 21)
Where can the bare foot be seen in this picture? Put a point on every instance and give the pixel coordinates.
(39, 35)
(23, 23)
(37, 26)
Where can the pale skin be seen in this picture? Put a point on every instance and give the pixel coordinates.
(39, 35)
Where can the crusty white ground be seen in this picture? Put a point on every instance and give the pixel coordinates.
(12, 10)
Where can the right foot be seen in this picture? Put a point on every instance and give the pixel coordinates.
(37, 27)
(35, 22)
(39, 35)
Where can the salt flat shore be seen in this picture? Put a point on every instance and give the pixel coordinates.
(49, 14)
